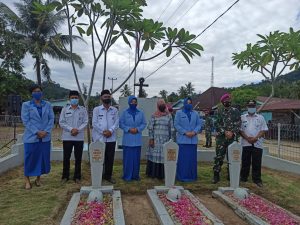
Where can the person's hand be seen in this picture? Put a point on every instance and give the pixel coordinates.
(74, 131)
(107, 133)
(41, 134)
(252, 140)
(190, 134)
(151, 143)
(229, 134)
(133, 130)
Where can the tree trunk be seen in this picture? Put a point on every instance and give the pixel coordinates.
(104, 71)
(38, 71)
(269, 98)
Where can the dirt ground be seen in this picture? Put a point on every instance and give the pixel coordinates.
(138, 210)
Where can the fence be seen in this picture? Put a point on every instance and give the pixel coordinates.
(283, 141)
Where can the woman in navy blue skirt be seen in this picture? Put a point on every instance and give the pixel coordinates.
(187, 124)
(38, 118)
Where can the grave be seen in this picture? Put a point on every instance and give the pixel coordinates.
(111, 197)
(250, 207)
(170, 201)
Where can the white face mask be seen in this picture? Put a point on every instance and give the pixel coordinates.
(251, 110)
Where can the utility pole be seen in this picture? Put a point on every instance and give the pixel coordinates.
(136, 55)
(112, 82)
(212, 72)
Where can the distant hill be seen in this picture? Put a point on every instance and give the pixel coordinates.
(53, 91)
(287, 86)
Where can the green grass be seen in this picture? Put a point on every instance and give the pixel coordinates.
(47, 204)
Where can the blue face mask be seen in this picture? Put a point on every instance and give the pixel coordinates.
(74, 101)
(188, 107)
(132, 106)
(37, 95)
(251, 110)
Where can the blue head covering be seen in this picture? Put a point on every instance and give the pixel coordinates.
(187, 108)
(132, 107)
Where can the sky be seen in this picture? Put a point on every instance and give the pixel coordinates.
(229, 34)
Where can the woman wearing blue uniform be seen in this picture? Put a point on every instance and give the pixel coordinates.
(132, 122)
(38, 118)
(187, 124)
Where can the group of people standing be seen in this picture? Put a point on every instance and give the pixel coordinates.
(38, 118)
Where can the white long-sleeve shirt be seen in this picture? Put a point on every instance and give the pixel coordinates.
(105, 119)
(252, 125)
(73, 118)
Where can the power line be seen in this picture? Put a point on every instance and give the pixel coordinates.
(194, 38)
(175, 11)
(169, 3)
(186, 12)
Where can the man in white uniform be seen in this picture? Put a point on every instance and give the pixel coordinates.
(73, 120)
(252, 131)
(105, 124)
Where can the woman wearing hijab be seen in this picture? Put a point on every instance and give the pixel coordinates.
(38, 118)
(188, 125)
(160, 129)
(132, 122)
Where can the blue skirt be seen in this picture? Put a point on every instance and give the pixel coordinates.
(187, 163)
(37, 158)
(131, 163)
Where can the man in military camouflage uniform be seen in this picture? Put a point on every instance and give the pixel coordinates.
(208, 128)
(228, 123)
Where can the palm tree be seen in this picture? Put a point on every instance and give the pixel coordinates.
(189, 88)
(38, 25)
(126, 91)
(164, 94)
(182, 92)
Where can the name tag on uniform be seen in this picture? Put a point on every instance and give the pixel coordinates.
(68, 114)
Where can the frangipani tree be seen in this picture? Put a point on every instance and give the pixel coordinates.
(106, 21)
(271, 56)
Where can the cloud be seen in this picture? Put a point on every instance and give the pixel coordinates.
(229, 34)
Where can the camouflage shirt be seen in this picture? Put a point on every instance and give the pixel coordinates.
(228, 120)
(208, 123)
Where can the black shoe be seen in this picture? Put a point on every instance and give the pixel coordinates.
(111, 180)
(259, 184)
(216, 178)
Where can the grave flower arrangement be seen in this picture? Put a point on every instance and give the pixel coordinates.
(184, 211)
(265, 210)
(96, 213)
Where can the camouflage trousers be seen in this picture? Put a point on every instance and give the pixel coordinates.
(208, 137)
(221, 150)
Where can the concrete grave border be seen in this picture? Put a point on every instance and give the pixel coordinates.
(118, 213)
(241, 211)
(162, 213)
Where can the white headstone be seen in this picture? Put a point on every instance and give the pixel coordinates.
(97, 151)
(234, 158)
(170, 164)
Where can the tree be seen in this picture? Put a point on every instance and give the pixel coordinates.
(241, 96)
(107, 21)
(12, 50)
(126, 91)
(164, 95)
(173, 97)
(36, 27)
(123, 19)
(144, 94)
(182, 92)
(271, 55)
(190, 90)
